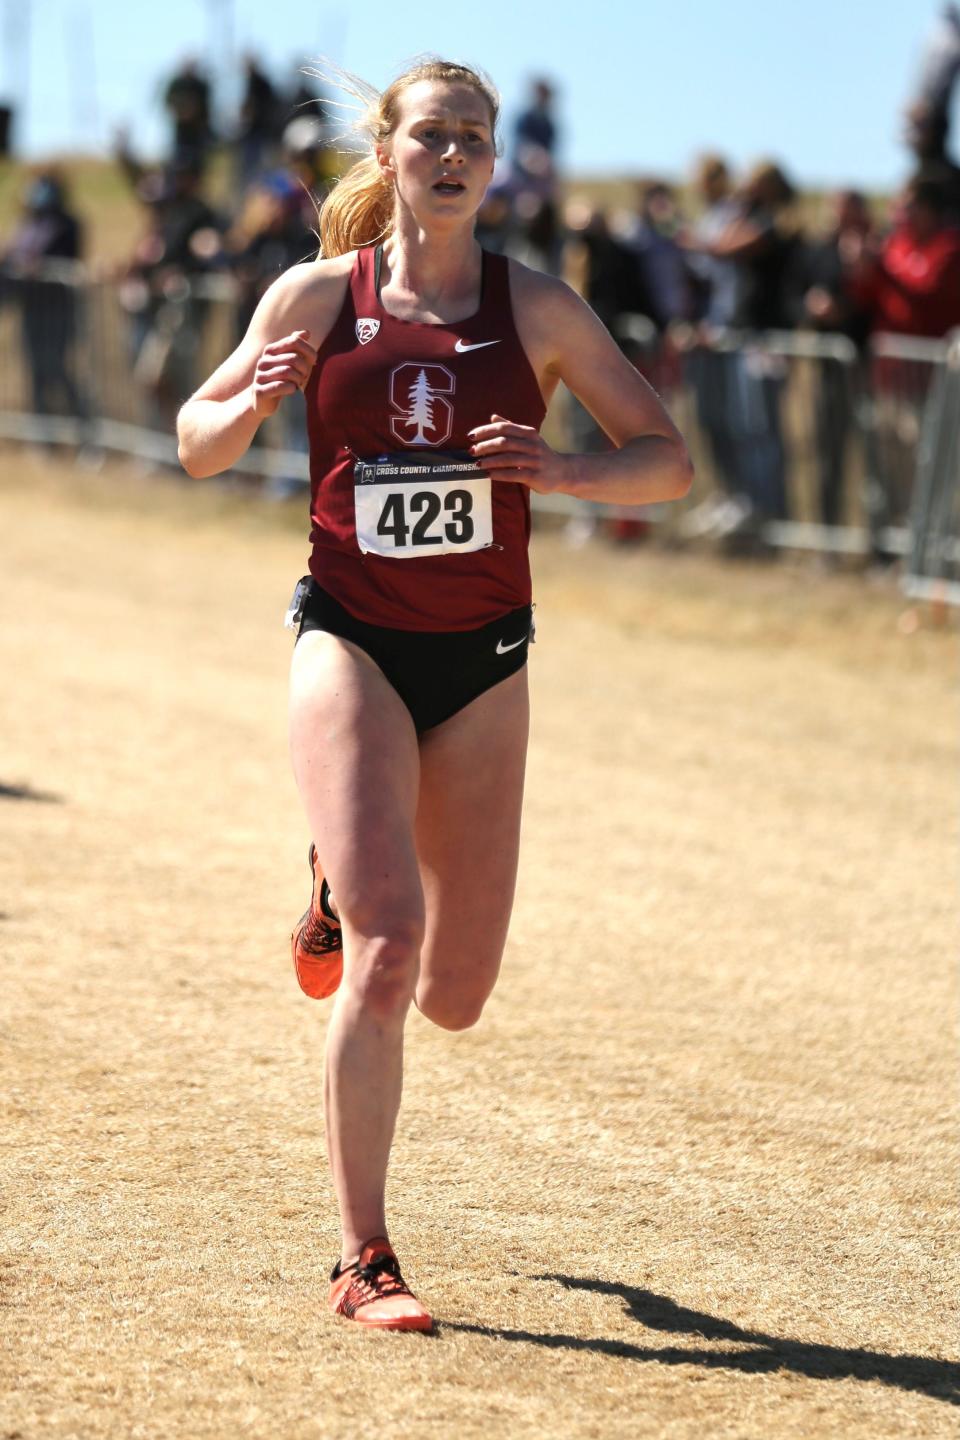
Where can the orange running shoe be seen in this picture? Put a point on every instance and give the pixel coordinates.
(373, 1292)
(317, 941)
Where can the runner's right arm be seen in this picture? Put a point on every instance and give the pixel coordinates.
(275, 357)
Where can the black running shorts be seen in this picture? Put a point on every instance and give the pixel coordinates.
(435, 672)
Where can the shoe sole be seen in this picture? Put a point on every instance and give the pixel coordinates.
(423, 1324)
(331, 967)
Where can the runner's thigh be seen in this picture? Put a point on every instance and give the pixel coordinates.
(357, 766)
(468, 837)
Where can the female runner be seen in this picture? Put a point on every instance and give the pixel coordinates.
(427, 366)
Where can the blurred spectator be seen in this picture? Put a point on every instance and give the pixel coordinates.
(182, 241)
(534, 236)
(762, 242)
(260, 122)
(601, 267)
(49, 230)
(535, 125)
(187, 101)
(927, 138)
(653, 238)
(928, 113)
(183, 230)
(534, 145)
(911, 286)
(604, 271)
(664, 285)
(494, 219)
(713, 277)
(521, 220)
(828, 305)
(940, 65)
(270, 234)
(311, 159)
(38, 273)
(710, 370)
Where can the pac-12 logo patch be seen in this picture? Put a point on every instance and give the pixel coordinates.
(367, 330)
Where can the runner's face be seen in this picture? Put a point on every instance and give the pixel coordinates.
(441, 154)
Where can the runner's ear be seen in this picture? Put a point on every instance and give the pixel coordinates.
(385, 161)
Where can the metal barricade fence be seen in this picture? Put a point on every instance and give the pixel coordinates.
(771, 419)
(802, 441)
(105, 364)
(799, 439)
(933, 562)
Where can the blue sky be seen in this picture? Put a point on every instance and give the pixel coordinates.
(643, 87)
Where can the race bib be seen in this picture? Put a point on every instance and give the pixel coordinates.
(422, 504)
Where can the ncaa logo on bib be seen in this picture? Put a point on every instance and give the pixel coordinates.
(367, 330)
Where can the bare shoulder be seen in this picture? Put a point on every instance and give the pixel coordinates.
(540, 299)
(553, 322)
(305, 297)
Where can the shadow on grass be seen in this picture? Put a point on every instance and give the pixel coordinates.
(27, 792)
(940, 1379)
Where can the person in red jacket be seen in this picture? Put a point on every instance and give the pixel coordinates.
(426, 366)
(912, 287)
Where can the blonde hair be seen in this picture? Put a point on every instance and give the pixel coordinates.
(359, 209)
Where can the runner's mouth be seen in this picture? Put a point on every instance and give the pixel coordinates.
(449, 187)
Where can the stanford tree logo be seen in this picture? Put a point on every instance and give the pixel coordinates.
(422, 413)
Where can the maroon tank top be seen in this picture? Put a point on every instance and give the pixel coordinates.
(406, 531)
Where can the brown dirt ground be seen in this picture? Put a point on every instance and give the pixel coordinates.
(692, 1174)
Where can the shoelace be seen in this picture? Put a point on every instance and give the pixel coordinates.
(375, 1281)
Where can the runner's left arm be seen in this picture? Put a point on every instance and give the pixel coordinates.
(565, 341)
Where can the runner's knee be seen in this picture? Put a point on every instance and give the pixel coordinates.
(381, 969)
(449, 1010)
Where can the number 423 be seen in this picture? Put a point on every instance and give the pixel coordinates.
(458, 528)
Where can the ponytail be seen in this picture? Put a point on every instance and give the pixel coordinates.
(358, 211)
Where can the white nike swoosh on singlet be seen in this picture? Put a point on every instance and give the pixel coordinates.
(462, 349)
(502, 649)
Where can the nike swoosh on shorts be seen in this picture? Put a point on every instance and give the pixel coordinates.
(502, 649)
(462, 349)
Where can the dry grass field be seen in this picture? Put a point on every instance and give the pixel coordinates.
(692, 1175)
